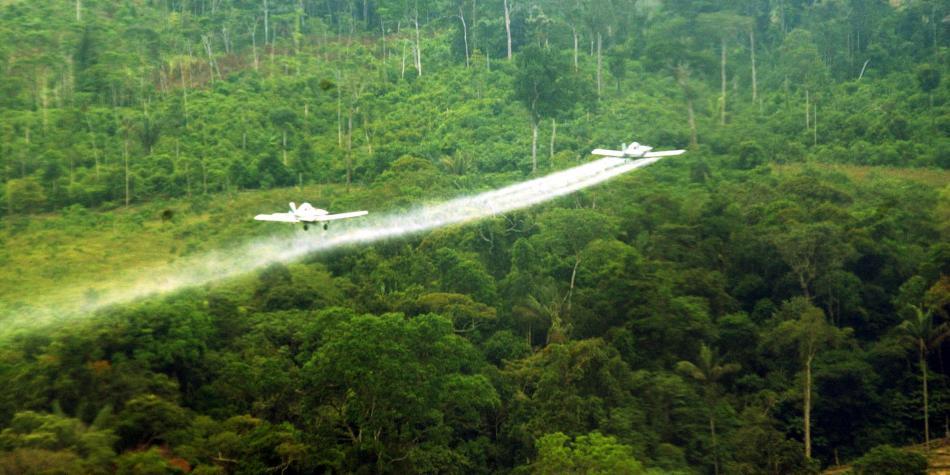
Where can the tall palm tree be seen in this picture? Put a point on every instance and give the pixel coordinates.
(708, 369)
(533, 310)
(920, 331)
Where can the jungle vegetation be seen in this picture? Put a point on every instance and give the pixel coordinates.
(774, 301)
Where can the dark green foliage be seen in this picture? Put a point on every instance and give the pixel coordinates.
(887, 460)
(928, 77)
(149, 419)
(545, 84)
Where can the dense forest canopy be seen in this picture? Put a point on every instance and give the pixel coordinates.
(774, 301)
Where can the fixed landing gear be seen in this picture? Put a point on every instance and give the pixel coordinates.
(326, 226)
(306, 227)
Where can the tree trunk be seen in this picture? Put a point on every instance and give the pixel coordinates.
(464, 34)
(369, 140)
(475, 23)
(272, 52)
(598, 64)
(212, 64)
(534, 146)
(574, 30)
(933, 26)
(284, 151)
(95, 148)
(257, 63)
(126, 154)
(570, 292)
(715, 446)
(78, 10)
(339, 108)
(807, 111)
(814, 124)
(44, 99)
(402, 69)
(807, 407)
(923, 372)
(722, 74)
(382, 30)
(691, 116)
(553, 135)
(349, 149)
(752, 44)
(266, 22)
(508, 27)
(804, 286)
(861, 74)
(226, 37)
(184, 92)
(933, 122)
(418, 47)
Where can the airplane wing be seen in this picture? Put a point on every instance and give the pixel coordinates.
(334, 217)
(664, 153)
(278, 217)
(607, 153)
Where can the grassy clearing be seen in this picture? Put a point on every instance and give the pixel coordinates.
(74, 252)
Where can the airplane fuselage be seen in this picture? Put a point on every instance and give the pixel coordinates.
(307, 215)
(635, 150)
(306, 212)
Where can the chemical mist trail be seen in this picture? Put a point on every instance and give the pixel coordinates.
(224, 264)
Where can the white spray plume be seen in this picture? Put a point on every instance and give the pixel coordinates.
(217, 265)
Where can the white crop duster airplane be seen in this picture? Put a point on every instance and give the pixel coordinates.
(307, 214)
(635, 150)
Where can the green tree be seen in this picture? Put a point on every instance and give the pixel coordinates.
(921, 332)
(707, 370)
(887, 460)
(24, 195)
(801, 61)
(546, 85)
(803, 327)
(467, 315)
(57, 437)
(928, 79)
(567, 232)
(148, 419)
(146, 462)
(386, 385)
(617, 61)
(759, 447)
(725, 26)
(593, 453)
(812, 250)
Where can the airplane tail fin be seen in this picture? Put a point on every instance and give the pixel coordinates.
(293, 207)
